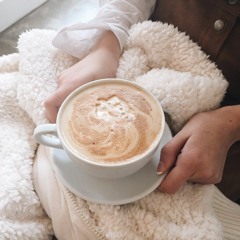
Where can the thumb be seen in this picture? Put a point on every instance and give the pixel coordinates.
(170, 152)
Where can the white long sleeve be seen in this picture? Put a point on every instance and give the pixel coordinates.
(115, 15)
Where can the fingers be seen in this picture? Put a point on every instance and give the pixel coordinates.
(50, 111)
(54, 101)
(170, 160)
(175, 179)
(188, 168)
(170, 152)
(186, 162)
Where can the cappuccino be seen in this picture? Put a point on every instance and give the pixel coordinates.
(111, 122)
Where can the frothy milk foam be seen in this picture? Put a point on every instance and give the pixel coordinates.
(111, 122)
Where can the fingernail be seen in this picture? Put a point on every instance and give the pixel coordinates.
(160, 168)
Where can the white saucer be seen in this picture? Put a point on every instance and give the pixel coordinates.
(108, 191)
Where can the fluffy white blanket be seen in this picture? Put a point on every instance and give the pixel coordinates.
(156, 56)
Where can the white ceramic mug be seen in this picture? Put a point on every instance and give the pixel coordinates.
(110, 127)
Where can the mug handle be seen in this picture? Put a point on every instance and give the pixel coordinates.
(52, 140)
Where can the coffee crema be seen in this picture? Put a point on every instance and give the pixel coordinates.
(111, 122)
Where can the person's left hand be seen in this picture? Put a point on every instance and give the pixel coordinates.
(198, 152)
(102, 62)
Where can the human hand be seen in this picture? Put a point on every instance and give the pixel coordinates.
(100, 63)
(198, 152)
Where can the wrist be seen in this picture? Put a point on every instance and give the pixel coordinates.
(107, 51)
(231, 115)
(109, 44)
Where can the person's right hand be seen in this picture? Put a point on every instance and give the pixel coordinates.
(102, 62)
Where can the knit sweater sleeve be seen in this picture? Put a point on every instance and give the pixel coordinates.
(114, 15)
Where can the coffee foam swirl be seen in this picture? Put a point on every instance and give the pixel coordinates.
(113, 123)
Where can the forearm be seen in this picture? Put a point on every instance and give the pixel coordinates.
(108, 47)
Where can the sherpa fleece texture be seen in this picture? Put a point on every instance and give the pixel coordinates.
(158, 57)
(21, 214)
